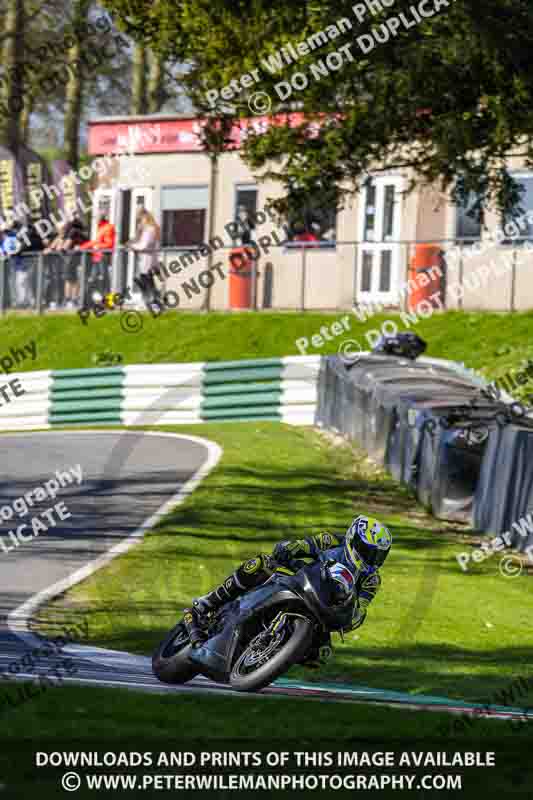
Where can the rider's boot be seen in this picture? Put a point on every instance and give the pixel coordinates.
(229, 590)
(212, 601)
(250, 574)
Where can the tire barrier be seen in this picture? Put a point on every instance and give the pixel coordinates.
(504, 497)
(31, 411)
(282, 389)
(434, 426)
(430, 422)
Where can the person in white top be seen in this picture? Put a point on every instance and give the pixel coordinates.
(147, 241)
(146, 244)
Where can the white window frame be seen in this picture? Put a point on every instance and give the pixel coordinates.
(243, 187)
(378, 245)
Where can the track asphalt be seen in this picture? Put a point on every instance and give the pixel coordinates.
(128, 480)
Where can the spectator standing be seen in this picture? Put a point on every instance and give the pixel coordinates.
(54, 270)
(17, 269)
(105, 240)
(147, 243)
(33, 245)
(73, 237)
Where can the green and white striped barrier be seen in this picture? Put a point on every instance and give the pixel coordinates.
(283, 389)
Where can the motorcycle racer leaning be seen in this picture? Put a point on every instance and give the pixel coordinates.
(362, 550)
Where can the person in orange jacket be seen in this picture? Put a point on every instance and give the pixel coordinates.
(105, 239)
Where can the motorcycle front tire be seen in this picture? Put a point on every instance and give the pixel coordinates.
(286, 656)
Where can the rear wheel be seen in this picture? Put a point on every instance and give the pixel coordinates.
(170, 662)
(270, 654)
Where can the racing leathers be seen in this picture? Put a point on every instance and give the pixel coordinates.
(367, 579)
(255, 571)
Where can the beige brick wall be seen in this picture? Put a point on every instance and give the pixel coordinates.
(427, 215)
(328, 272)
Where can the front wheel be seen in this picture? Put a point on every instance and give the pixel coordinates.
(269, 655)
(170, 662)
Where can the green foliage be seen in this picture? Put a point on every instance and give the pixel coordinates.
(448, 97)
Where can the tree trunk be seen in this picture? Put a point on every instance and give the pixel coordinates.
(139, 104)
(12, 63)
(156, 93)
(74, 87)
(24, 122)
(213, 188)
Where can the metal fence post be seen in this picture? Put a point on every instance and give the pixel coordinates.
(83, 283)
(444, 276)
(254, 282)
(40, 282)
(461, 275)
(404, 304)
(355, 274)
(2, 284)
(304, 276)
(115, 264)
(513, 283)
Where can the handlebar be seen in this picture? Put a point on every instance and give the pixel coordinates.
(295, 564)
(325, 563)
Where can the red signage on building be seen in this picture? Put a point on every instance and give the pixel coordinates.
(172, 135)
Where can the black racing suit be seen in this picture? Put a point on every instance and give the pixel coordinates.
(255, 571)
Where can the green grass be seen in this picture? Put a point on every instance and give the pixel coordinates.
(115, 714)
(432, 629)
(73, 719)
(494, 343)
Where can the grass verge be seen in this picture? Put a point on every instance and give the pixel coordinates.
(432, 629)
(74, 719)
(495, 343)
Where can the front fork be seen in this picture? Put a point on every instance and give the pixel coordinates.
(280, 622)
(324, 651)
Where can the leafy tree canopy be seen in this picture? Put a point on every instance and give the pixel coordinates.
(449, 96)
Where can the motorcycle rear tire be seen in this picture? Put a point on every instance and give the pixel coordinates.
(174, 668)
(289, 654)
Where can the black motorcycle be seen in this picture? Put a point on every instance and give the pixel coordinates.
(258, 637)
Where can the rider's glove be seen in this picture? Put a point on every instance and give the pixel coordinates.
(285, 551)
